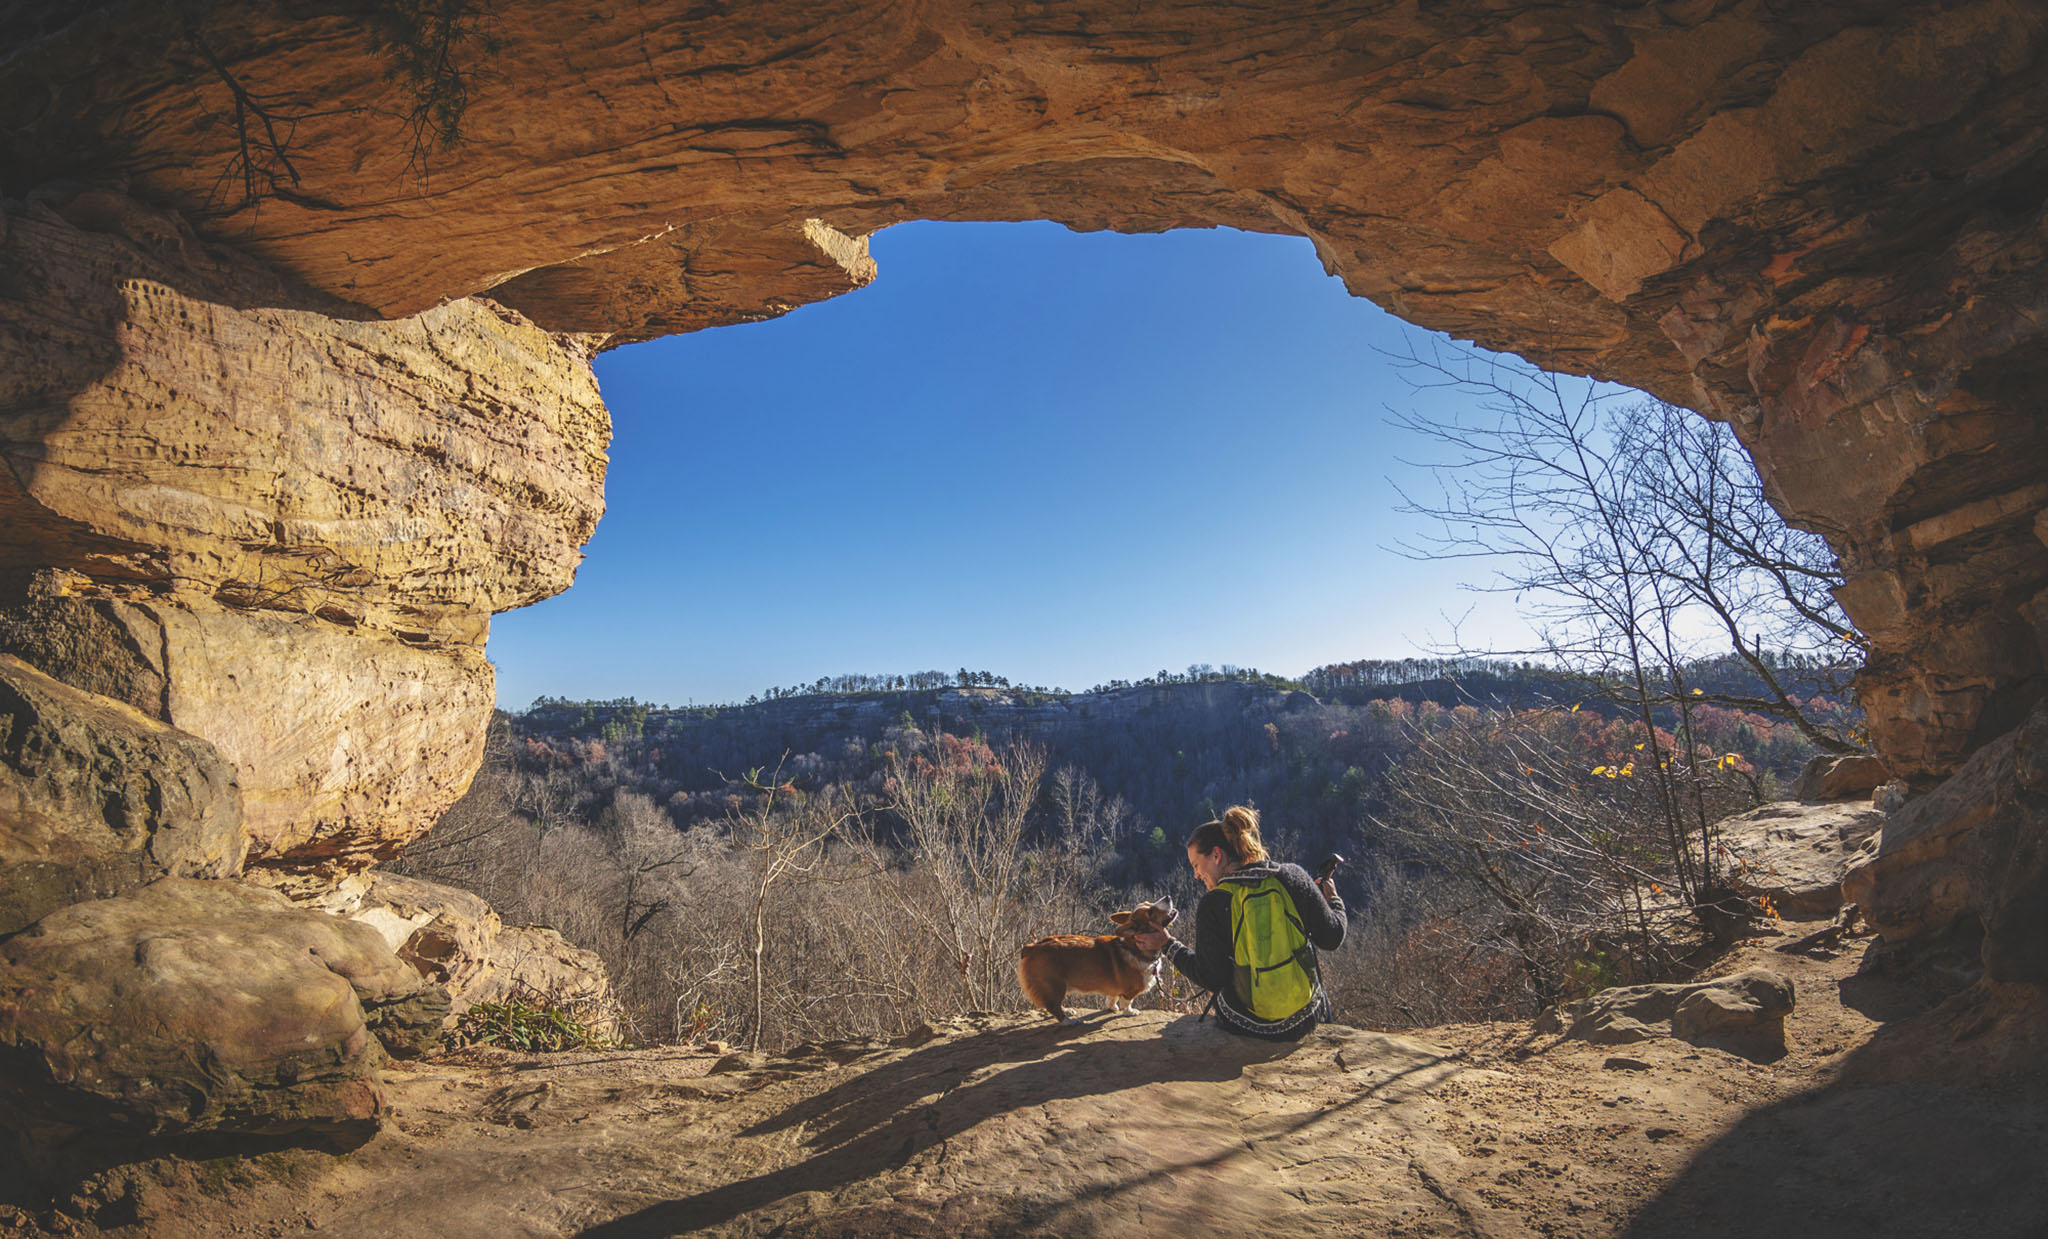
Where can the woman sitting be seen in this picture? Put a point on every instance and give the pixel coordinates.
(1256, 932)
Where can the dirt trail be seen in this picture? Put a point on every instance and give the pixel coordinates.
(1935, 1125)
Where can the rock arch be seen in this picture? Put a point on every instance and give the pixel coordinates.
(248, 439)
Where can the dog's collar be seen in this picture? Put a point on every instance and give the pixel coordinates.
(1130, 946)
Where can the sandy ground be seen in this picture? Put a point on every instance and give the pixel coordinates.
(1882, 1118)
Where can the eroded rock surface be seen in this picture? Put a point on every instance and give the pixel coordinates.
(96, 797)
(274, 523)
(455, 939)
(225, 435)
(1793, 853)
(1004, 1126)
(1819, 224)
(1971, 856)
(1823, 223)
(192, 1006)
(1744, 1009)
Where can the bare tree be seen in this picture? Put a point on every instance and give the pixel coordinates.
(1548, 863)
(963, 810)
(788, 832)
(1706, 526)
(1064, 869)
(1640, 544)
(655, 863)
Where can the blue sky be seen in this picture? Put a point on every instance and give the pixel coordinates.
(1062, 457)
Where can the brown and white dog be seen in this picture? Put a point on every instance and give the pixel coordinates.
(1051, 968)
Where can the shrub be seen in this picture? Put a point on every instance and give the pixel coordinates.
(530, 1022)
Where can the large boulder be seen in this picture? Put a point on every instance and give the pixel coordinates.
(1743, 1011)
(174, 414)
(345, 744)
(195, 1006)
(455, 939)
(1833, 776)
(96, 797)
(1793, 854)
(1970, 856)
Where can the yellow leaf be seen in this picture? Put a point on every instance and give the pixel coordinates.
(1696, 692)
(1599, 770)
(1575, 709)
(1639, 748)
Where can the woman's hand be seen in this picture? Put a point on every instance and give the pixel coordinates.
(1153, 942)
(1328, 888)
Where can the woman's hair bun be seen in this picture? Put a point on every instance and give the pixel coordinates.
(1241, 824)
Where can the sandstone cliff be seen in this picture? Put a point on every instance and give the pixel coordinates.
(275, 527)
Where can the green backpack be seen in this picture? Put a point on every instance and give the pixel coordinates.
(1272, 979)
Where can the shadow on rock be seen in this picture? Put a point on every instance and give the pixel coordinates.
(103, 1178)
(1937, 1126)
(877, 1121)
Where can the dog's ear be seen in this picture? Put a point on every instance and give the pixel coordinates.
(1121, 918)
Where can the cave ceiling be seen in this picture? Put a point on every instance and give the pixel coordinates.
(1820, 222)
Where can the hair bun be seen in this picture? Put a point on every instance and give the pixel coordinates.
(1241, 823)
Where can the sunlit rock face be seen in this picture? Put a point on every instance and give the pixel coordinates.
(1821, 222)
(278, 526)
(97, 797)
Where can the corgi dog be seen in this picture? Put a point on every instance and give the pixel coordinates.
(1051, 968)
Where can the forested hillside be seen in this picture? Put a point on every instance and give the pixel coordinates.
(626, 824)
(1176, 751)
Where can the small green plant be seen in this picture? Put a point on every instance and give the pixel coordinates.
(1591, 975)
(531, 1022)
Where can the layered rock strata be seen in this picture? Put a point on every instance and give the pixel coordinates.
(281, 528)
(1970, 860)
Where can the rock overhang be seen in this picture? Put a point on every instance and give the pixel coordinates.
(1824, 226)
